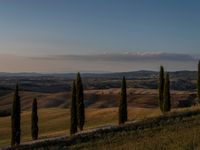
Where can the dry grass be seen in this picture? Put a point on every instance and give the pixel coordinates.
(55, 121)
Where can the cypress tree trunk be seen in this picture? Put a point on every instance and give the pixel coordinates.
(161, 87)
(34, 119)
(73, 127)
(80, 102)
(123, 103)
(198, 83)
(15, 118)
(167, 99)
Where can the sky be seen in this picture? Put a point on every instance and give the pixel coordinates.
(65, 35)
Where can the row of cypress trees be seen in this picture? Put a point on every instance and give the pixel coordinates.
(77, 113)
(164, 94)
(78, 108)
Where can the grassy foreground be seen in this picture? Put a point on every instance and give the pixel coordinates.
(55, 122)
(179, 136)
(179, 129)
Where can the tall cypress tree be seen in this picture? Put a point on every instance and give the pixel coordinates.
(167, 99)
(123, 103)
(16, 118)
(34, 120)
(161, 87)
(80, 102)
(198, 82)
(73, 127)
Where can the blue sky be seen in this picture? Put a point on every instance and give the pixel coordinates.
(85, 27)
(95, 26)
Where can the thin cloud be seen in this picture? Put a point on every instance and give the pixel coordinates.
(125, 57)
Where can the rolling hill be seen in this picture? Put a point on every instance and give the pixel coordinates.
(105, 98)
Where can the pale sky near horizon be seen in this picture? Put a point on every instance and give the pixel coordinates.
(52, 28)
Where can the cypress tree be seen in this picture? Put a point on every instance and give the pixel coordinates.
(80, 102)
(198, 83)
(15, 118)
(34, 120)
(73, 127)
(167, 99)
(161, 87)
(123, 103)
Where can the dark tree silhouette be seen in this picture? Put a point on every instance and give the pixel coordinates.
(198, 83)
(34, 120)
(167, 99)
(73, 127)
(123, 103)
(80, 102)
(16, 118)
(161, 87)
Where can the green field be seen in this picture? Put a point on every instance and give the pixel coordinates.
(55, 121)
